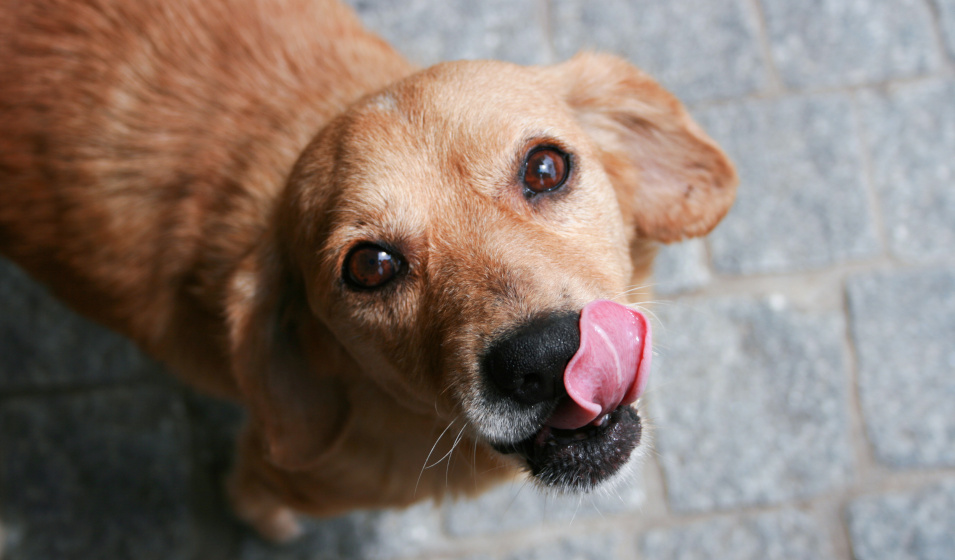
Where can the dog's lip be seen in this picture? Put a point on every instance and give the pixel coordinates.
(580, 459)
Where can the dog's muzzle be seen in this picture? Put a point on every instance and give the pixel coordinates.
(580, 373)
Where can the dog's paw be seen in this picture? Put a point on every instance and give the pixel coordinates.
(279, 526)
(269, 518)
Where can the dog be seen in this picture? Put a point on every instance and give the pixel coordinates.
(388, 266)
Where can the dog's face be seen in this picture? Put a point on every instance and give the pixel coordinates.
(453, 240)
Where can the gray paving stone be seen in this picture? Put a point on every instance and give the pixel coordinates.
(910, 132)
(750, 402)
(214, 425)
(701, 49)
(913, 526)
(903, 325)
(681, 268)
(588, 547)
(104, 475)
(365, 535)
(429, 31)
(802, 203)
(946, 9)
(43, 344)
(786, 535)
(825, 43)
(520, 506)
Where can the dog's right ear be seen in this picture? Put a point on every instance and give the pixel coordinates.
(300, 408)
(672, 180)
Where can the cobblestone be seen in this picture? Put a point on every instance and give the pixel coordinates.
(520, 506)
(911, 526)
(825, 43)
(911, 133)
(698, 48)
(903, 324)
(681, 268)
(72, 351)
(946, 10)
(590, 547)
(99, 476)
(751, 404)
(802, 203)
(787, 535)
(511, 30)
(368, 535)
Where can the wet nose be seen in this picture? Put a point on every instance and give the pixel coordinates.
(527, 364)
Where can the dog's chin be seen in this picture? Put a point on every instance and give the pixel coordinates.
(583, 459)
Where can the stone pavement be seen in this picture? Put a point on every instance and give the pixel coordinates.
(803, 399)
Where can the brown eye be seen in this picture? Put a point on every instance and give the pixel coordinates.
(545, 169)
(371, 266)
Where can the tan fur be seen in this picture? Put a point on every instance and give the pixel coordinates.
(192, 172)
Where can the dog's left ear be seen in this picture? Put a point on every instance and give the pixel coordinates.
(671, 179)
(281, 359)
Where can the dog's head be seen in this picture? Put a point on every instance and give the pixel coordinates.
(453, 241)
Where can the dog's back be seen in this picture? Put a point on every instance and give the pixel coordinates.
(143, 143)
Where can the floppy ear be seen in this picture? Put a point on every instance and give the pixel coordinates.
(671, 179)
(300, 408)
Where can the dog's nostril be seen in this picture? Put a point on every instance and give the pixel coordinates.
(528, 364)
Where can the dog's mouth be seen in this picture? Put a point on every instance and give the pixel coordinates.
(590, 429)
(580, 459)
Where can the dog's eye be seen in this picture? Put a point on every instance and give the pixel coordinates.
(371, 266)
(545, 169)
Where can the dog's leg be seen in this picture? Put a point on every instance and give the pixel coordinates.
(252, 498)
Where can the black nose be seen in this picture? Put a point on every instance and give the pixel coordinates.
(528, 363)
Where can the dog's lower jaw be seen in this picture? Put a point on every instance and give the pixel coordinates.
(580, 460)
(564, 461)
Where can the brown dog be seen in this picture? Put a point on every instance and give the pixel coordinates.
(388, 267)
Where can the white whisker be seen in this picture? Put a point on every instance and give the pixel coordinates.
(426, 459)
(580, 500)
(636, 288)
(457, 440)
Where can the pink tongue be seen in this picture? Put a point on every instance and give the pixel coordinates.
(611, 367)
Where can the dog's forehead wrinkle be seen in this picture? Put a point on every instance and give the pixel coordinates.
(490, 84)
(450, 144)
(497, 96)
(384, 195)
